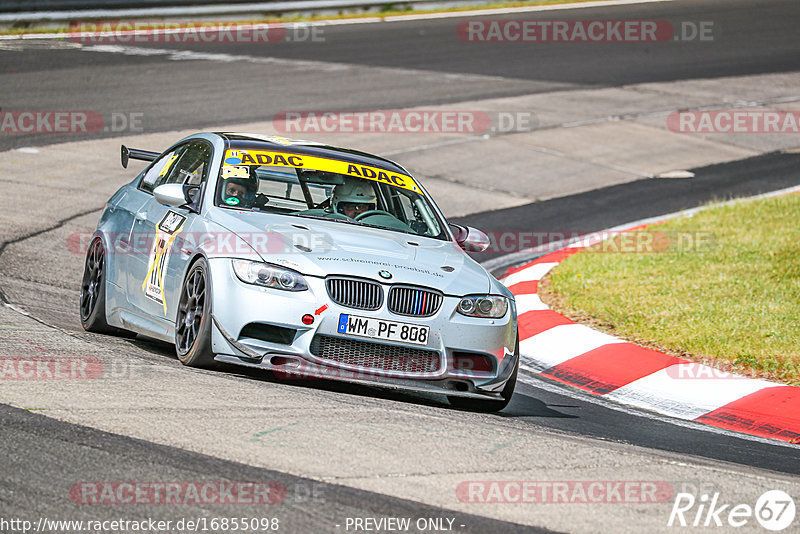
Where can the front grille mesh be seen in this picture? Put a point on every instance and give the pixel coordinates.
(353, 293)
(375, 356)
(414, 302)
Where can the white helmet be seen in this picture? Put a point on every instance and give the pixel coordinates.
(353, 191)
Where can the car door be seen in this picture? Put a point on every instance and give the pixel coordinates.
(118, 219)
(133, 242)
(157, 260)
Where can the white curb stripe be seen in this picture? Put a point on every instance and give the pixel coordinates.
(684, 391)
(558, 388)
(529, 302)
(534, 272)
(561, 343)
(686, 398)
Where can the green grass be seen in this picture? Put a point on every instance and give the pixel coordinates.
(387, 12)
(732, 302)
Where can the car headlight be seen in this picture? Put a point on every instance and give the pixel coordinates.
(483, 306)
(262, 274)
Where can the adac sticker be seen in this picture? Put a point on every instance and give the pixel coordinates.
(297, 161)
(153, 285)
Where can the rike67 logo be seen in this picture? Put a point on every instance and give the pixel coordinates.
(774, 510)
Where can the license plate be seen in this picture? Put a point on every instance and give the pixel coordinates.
(353, 325)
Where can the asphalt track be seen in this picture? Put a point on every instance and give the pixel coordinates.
(67, 450)
(56, 78)
(174, 94)
(608, 207)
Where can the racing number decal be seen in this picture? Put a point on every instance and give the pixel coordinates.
(169, 227)
(261, 157)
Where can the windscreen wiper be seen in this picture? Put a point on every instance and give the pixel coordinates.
(321, 218)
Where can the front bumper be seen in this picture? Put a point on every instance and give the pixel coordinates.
(236, 304)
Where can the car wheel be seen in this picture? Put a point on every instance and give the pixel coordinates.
(490, 405)
(193, 320)
(93, 293)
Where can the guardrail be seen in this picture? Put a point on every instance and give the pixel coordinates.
(74, 5)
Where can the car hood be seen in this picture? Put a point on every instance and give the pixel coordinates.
(320, 248)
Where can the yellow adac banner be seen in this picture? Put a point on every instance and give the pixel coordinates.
(301, 161)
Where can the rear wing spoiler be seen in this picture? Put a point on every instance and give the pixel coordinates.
(135, 153)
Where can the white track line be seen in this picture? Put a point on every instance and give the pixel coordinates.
(538, 382)
(520, 9)
(553, 247)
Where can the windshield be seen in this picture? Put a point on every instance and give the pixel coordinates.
(315, 187)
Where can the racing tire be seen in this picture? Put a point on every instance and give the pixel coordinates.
(193, 319)
(93, 293)
(490, 405)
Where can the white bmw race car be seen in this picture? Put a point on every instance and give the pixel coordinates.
(303, 259)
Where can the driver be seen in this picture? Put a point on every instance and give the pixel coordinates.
(353, 197)
(239, 186)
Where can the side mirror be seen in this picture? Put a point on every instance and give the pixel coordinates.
(171, 195)
(470, 239)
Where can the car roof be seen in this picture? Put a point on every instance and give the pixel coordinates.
(244, 141)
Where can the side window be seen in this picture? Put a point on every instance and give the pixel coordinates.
(191, 165)
(157, 173)
(187, 164)
(417, 214)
